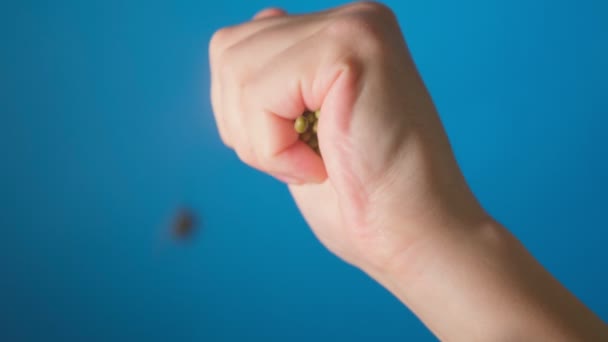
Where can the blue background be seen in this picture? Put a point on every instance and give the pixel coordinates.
(106, 129)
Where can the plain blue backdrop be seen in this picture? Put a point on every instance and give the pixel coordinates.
(106, 128)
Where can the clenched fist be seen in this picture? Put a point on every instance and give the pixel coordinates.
(387, 177)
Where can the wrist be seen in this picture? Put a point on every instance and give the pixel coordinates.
(435, 276)
(432, 247)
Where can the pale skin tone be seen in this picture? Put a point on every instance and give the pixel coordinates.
(388, 196)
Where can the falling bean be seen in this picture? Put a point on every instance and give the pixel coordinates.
(184, 224)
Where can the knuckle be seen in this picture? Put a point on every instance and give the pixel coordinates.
(350, 36)
(348, 26)
(374, 8)
(356, 33)
(218, 45)
(366, 24)
(246, 155)
(224, 138)
(231, 67)
(218, 40)
(226, 69)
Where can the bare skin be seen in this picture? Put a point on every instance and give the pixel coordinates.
(388, 195)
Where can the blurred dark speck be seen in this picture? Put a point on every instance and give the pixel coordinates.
(184, 224)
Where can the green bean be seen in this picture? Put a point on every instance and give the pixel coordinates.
(306, 126)
(301, 125)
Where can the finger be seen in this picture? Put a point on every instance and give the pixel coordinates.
(298, 79)
(269, 13)
(229, 35)
(281, 153)
(295, 80)
(280, 92)
(298, 164)
(266, 43)
(236, 119)
(219, 42)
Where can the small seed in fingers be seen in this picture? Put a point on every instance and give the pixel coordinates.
(306, 126)
(301, 125)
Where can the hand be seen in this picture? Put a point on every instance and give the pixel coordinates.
(388, 195)
(388, 178)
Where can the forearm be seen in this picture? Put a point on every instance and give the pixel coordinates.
(482, 285)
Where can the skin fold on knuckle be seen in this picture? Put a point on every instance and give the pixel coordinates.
(227, 61)
(372, 25)
(353, 35)
(373, 7)
(218, 42)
